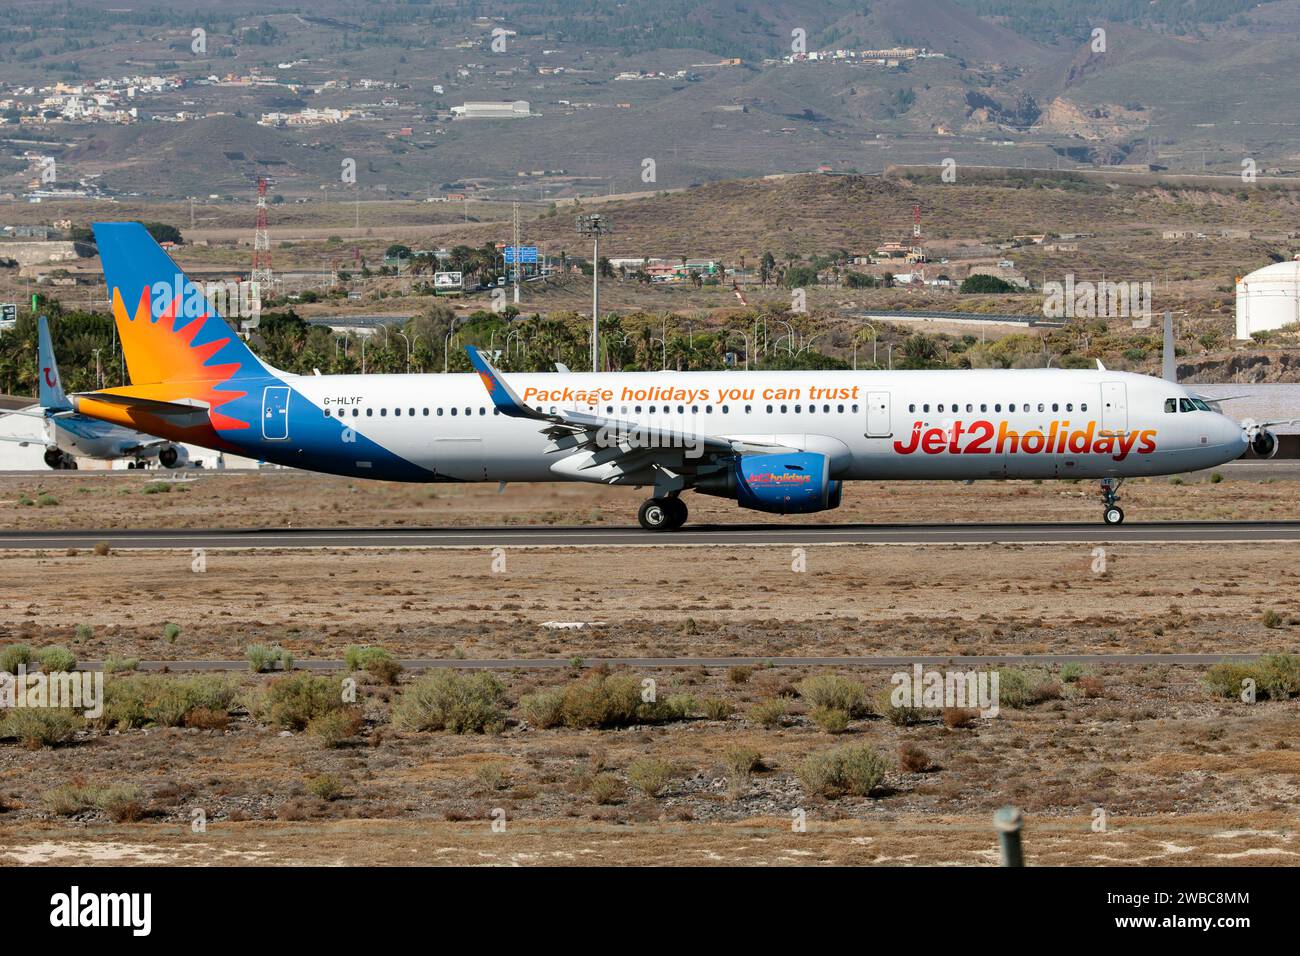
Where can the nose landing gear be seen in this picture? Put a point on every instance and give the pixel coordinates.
(1112, 513)
(662, 514)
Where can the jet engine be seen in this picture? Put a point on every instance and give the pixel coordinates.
(59, 459)
(173, 456)
(1264, 444)
(793, 484)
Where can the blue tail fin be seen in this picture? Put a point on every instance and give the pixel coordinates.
(168, 330)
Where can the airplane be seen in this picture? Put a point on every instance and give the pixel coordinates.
(69, 435)
(782, 442)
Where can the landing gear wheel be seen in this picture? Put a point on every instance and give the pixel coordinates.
(1113, 515)
(679, 512)
(656, 514)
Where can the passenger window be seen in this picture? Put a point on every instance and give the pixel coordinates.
(983, 407)
(1011, 407)
(1171, 405)
(327, 413)
(426, 413)
(638, 409)
(1055, 407)
(1069, 406)
(708, 409)
(840, 408)
(482, 410)
(1083, 406)
(356, 412)
(970, 407)
(784, 408)
(440, 413)
(940, 408)
(1040, 406)
(725, 409)
(397, 412)
(769, 409)
(812, 409)
(370, 412)
(453, 411)
(910, 408)
(855, 408)
(695, 409)
(926, 408)
(748, 408)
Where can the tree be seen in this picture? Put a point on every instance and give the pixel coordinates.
(986, 284)
(164, 232)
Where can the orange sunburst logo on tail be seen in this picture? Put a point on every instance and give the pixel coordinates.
(164, 356)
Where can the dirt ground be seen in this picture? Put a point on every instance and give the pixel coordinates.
(1183, 776)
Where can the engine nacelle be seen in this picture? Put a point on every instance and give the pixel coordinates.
(1264, 444)
(174, 456)
(58, 459)
(793, 484)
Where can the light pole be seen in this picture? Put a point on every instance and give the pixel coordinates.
(408, 349)
(595, 226)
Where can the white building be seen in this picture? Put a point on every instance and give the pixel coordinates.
(511, 110)
(1268, 298)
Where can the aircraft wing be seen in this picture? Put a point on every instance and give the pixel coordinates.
(615, 450)
(22, 441)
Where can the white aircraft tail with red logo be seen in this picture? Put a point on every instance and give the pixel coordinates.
(51, 392)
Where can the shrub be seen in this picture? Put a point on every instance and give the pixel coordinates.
(770, 713)
(492, 776)
(614, 700)
(903, 716)
(912, 758)
(113, 664)
(46, 500)
(56, 659)
(375, 661)
(1092, 687)
(1071, 672)
(263, 658)
(294, 702)
(605, 788)
(448, 700)
(85, 632)
(37, 727)
(1020, 688)
(740, 674)
(833, 720)
(1215, 478)
(102, 549)
(336, 726)
(743, 760)
(833, 692)
(544, 708)
(959, 718)
(1271, 618)
(325, 786)
(205, 718)
(164, 701)
(853, 769)
(121, 801)
(13, 655)
(715, 708)
(171, 631)
(650, 775)
(1276, 677)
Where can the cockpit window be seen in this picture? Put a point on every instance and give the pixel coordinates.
(1185, 405)
(1171, 404)
(1201, 405)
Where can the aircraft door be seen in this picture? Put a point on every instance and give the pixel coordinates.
(878, 424)
(1114, 407)
(275, 412)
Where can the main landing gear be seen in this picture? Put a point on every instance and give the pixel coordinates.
(662, 514)
(1113, 513)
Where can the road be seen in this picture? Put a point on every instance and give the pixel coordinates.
(549, 663)
(1182, 532)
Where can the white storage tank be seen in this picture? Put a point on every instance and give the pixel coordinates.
(1268, 298)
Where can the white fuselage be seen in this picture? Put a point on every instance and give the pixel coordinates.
(1031, 423)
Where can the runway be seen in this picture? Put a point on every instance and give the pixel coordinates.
(737, 535)
(548, 663)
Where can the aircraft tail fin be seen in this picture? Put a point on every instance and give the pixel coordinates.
(169, 332)
(51, 393)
